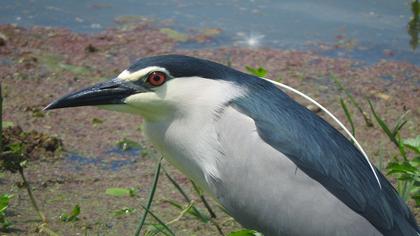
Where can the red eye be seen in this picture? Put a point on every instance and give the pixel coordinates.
(156, 78)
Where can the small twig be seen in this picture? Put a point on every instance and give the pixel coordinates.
(179, 188)
(44, 229)
(209, 209)
(219, 229)
(203, 199)
(31, 196)
(6, 153)
(183, 212)
(150, 198)
(228, 220)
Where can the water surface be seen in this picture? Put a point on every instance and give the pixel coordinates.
(368, 30)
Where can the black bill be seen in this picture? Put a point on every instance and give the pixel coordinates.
(107, 93)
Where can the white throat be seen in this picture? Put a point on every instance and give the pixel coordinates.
(188, 139)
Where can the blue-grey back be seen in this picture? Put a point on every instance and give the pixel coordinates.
(326, 155)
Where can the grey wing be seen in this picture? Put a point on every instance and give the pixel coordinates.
(264, 190)
(327, 156)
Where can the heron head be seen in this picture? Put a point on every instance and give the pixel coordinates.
(161, 86)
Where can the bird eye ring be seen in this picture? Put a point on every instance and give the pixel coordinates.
(156, 78)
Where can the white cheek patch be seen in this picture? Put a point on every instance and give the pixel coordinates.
(135, 75)
(142, 99)
(149, 105)
(196, 93)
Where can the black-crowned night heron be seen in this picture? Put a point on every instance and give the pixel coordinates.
(274, 165)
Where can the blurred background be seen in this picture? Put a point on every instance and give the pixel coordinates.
(367, 30)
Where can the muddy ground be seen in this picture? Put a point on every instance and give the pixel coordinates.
(38, 65)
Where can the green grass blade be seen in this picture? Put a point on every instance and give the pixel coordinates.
(173, 203)
(147, 210)
(150, 198)
(209, 209)
(399, 124)
(197, 213)
(348, 116)
(353, 101)
(383, 125)
(157, 228)
(401, 147)
(177, 186)
(203, 199)
(412, 143)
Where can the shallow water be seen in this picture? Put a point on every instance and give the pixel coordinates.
(113, 159)
(368, 30)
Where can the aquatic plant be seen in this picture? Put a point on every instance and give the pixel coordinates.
(13, 158)
(405, 166)
(72, 216)
(4, 204)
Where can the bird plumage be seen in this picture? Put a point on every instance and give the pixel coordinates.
(327, 156)
(278, 198)
(275, 166)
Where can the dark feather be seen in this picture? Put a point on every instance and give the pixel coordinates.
(326, 155)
